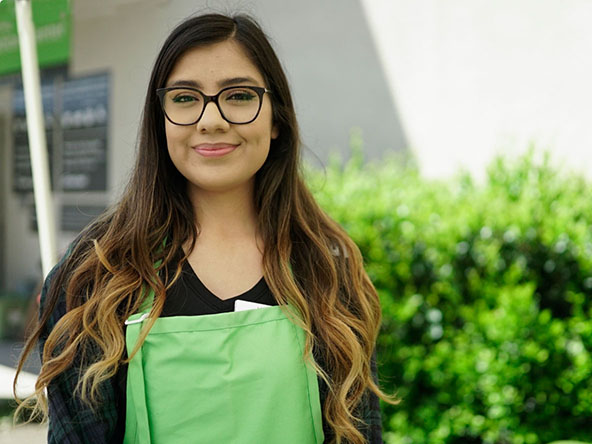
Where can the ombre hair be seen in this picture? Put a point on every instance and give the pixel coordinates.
(309, 262)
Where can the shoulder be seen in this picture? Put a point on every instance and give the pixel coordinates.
(50, 278)
(53, 294)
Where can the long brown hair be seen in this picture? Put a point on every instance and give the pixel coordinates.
(309, 261)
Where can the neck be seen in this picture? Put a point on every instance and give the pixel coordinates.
(225, 215)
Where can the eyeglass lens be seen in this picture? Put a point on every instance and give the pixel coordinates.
(237, 105)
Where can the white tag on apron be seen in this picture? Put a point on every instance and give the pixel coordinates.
(240, 305)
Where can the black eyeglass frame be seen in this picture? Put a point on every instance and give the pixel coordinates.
(207, 99)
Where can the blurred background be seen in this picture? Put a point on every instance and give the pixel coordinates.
(483, 264)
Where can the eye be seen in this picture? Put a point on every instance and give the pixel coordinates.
(184, 97)
(240, 96)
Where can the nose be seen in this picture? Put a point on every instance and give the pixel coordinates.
(212, 120)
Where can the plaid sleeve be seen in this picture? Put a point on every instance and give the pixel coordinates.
(368, 410)
(371, 411)
(71, 421)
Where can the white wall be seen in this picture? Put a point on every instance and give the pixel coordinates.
(472, 78)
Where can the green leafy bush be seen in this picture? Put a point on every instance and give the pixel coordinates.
(485, 290)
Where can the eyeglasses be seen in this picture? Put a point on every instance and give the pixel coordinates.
(237, 104)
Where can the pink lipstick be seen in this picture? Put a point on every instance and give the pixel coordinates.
(214, 149)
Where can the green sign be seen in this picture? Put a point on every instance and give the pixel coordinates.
(52, 30)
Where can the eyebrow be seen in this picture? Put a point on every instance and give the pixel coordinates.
(222, 84)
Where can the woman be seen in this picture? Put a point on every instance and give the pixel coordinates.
(143, 336)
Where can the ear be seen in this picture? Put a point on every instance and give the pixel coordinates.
(275, 132)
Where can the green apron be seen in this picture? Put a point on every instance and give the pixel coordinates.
(234, 377)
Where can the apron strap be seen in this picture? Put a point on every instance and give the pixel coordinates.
(313, 391)
(135, 389)
(136, 394)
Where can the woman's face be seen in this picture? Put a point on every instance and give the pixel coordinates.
(214, 155)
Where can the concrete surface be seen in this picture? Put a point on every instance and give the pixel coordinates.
(25, 434)
(21, 434)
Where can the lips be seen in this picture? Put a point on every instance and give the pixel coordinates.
(214, 149)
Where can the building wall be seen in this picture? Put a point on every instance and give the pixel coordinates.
(475, 78)
(21, 266)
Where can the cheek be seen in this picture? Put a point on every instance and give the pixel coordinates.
(174, 133)
(266, 127)
(177, 139)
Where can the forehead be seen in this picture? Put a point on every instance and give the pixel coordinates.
(213, 65)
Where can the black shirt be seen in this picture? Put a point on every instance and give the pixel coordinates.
(190, 297)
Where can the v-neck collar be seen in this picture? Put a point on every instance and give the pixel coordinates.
(197, 287)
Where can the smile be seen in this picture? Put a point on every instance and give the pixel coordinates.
(214, 149)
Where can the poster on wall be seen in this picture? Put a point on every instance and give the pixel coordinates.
(73, 218)
(76, 119)
(22, 177)
(84, 134)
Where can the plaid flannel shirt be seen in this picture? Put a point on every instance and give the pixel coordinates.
(71, 421)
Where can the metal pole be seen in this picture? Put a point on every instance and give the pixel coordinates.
(36, 132)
